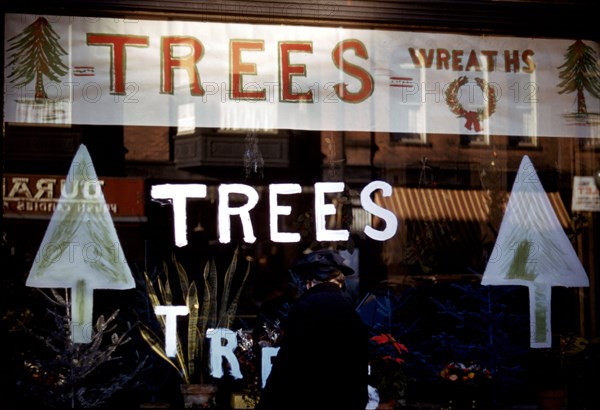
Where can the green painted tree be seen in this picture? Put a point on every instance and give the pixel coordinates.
(35, 53)
(580, 72)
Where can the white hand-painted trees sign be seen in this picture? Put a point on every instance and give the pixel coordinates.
(80, 249)
(533, 250)
(177, 195)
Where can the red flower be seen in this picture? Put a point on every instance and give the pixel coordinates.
(382, 338)
(400, 348)
(387, 370)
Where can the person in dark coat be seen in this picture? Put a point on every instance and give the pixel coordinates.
(323, 358)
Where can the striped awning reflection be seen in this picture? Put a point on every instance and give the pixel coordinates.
(456, 222)
(426, 204)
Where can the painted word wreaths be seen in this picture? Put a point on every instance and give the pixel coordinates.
(473, 118)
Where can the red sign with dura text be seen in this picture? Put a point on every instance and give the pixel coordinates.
(36, 196)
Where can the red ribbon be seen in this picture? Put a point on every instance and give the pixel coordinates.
(472, 121)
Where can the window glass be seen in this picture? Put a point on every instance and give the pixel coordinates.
(463, 178)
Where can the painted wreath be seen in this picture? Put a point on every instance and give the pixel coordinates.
(473, 118)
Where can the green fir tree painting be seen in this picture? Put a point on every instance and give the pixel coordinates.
(580, 72)
(35, 53)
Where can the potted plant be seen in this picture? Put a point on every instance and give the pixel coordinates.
(215, 311)
(386, 370)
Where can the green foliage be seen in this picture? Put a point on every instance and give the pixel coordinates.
(580, 70)
(34, 53)
(214, 311)
(64, 374)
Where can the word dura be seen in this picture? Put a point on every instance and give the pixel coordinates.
(25, 194)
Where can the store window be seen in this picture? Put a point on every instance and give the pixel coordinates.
(407, 152)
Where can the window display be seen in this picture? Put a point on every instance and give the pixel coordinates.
(172, 170)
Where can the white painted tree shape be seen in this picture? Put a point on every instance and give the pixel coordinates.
(80, 249)
(533, 250)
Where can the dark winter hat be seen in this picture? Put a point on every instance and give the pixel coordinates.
(321, 265)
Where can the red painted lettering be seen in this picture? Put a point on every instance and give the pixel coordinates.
(511, 61)
(490, 56)
(238, 69)
(443, 59)
(187, 62)
(457, 60)
(117, 44)
(366, 80)
(423, 59)
(528, 60)
(288, 71)
(473, 62)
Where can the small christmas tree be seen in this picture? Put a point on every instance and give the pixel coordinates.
(64, 374)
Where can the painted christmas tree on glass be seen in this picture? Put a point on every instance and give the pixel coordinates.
(533, 250)
(81, 249)
(35, 53)
(580, 72)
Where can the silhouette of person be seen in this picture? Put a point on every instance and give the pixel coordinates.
(323, 358)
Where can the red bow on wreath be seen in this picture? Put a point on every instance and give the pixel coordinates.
(472, 121)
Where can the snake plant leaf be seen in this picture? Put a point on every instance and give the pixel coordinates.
(181, 361)
(194, 307)
(183, 277)
(210, 298)
(227, 283)
(165, 288)
(208, 313)
(154, 300)
(80, 249)
(156, 344)
(231, 311)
